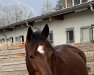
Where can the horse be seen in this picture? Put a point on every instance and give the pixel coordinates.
(44, 59)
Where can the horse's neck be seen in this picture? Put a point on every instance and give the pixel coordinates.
(49, 51)
(48, 48)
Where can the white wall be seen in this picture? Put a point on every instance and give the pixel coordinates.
(16, 32)
(58, 27)
(76, 20)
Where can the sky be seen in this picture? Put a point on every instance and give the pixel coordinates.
(34, 4)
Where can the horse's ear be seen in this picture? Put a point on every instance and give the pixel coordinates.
(45, 31)
(29, 33)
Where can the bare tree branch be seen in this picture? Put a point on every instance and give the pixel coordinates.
(14, 12)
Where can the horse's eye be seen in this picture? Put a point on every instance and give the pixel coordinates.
(31, 57)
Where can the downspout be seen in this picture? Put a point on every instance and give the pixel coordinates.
(91, 7)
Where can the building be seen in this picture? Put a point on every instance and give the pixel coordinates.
(72, 25)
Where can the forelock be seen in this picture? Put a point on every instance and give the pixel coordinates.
(37, 36)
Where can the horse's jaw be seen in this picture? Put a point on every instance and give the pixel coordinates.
(40, 49)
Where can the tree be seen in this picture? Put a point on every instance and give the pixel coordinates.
(2, 15)
(46, 7)
(14, 12)
(20, 11)
(59, 5)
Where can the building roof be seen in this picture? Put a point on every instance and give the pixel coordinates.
(75, 8)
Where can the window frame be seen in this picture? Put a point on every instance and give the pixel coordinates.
(67, 39)
(19, 38)
(92, 32)
(84, 1)
(77, 3)
(74, 2)
(2, 41)
(81, 34)
(11, 39)
(51, 41)
(69, 4)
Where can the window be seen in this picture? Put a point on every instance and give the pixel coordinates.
(69, 3)
(92, 27)
(19, 39)
(85, 34)
(70, 35)
(2, 41)
(50, 37)
(76, 2)
(84, 1)
(10, 40)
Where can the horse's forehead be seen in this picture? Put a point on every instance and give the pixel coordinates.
(40, 49)
(36, 36)
(37, 33)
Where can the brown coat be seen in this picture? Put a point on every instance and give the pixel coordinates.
(66, 60)
(60, 60)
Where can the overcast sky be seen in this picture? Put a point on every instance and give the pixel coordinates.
(35, 4)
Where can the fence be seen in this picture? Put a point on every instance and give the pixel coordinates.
(17, 53)
(8, 46)
(88, 49)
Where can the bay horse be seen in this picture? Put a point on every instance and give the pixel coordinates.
(44, 59)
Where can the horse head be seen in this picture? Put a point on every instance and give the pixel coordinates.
(38, 50)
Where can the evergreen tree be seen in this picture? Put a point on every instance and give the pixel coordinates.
(59, 5)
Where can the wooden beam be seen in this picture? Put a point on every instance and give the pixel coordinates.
(46, 19)
(8, 29)
(58, 17)
(30, 23)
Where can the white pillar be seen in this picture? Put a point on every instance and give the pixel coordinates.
(80, 1)
(73, 2)
(66, 4)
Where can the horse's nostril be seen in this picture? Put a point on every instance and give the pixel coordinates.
(31, 57)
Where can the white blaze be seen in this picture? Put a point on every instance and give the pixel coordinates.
(40, 49)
